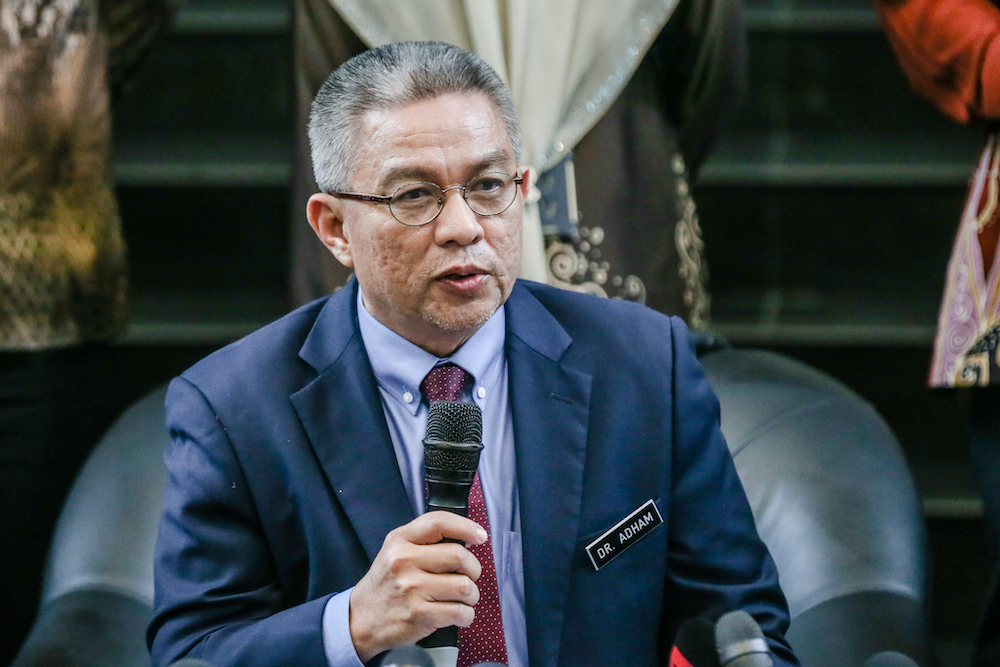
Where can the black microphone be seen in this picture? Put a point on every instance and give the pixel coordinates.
(741, 642)
(407, 656)
(694, 645)
(452, 444)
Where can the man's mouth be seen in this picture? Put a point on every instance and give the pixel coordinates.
(465, 280)
(459, 273)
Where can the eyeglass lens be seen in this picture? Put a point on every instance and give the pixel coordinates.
(419, 203)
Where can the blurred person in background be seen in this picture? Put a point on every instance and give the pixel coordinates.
(950, 52)
(62, 264)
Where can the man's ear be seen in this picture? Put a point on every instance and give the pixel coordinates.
(526, 183)
(325, 214)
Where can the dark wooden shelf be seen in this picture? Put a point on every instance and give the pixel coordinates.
(209, 159)
(802, 158)
(234, 17)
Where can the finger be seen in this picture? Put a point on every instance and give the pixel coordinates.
(433, 527)
(448, 558)
(449, 588)
(443, 614)
(454, 613)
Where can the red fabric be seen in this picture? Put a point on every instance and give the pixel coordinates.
(444, 382)
(677, 659)
(949, 52)
(988, 235)
(483, 641)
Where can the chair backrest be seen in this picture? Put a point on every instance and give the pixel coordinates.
(834, 502)
(98, 594)
(106, 533)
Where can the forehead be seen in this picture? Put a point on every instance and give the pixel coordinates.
(444, 137)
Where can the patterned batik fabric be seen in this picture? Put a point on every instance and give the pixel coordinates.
(966, 350)
(62, 257)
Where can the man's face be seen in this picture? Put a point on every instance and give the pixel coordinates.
(435, 285)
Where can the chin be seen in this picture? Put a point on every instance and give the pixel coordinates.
(469, 317)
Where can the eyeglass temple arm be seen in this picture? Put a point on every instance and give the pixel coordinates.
(378, 199)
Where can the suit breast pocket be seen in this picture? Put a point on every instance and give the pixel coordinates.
(510, 576)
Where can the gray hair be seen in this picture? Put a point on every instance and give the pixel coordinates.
(387, 77)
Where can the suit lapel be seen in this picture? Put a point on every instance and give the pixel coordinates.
(551, 408)
(341, 411)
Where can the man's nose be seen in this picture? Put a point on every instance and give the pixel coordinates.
(457, 223)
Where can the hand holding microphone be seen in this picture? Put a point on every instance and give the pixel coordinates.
(416, 584)
(419, 581)
(452, 446)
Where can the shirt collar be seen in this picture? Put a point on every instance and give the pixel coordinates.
(400, 366)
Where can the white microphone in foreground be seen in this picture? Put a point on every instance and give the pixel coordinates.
(741, 642)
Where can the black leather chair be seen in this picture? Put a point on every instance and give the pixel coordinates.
(830, 491)
(834, 502)
(98, 592)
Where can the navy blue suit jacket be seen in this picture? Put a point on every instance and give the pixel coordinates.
(283, 484)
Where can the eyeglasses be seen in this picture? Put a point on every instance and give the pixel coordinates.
(416, 204)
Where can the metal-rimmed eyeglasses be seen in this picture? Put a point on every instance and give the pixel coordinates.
(417, 204)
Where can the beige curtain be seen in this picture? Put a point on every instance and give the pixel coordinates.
(565, 61)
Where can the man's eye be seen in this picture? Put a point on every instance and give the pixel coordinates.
(486, 185)
(414, 194)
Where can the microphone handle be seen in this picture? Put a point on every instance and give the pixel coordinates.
(454, 499)
(442, 644)
(434, 504)
(448, 490)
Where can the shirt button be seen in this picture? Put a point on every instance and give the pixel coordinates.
(481, 393)
(408, 397)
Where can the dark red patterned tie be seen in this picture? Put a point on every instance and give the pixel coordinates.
(483, 641)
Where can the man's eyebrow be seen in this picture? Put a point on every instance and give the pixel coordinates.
(493, 160)
(407, 173)
(402, 174)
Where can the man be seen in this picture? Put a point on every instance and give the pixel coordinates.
(292, 529)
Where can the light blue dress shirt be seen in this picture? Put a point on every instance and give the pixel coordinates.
(400, 367)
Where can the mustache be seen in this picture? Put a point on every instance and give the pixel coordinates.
(480, 257)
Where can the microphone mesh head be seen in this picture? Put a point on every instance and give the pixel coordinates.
(736, 626)
(445, 456)
(453, 421)
(736, 634)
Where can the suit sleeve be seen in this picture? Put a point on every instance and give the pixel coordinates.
(949, 52)
(218, 595)
(716, 560)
